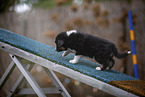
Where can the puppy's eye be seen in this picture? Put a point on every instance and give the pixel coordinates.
(60, 43)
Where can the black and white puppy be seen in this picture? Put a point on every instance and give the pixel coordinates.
(87, 45)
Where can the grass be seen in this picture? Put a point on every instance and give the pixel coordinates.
(45, 3)
(50, 3)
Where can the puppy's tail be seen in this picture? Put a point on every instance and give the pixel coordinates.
(119, 55)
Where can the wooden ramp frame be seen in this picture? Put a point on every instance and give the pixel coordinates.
(49, 66)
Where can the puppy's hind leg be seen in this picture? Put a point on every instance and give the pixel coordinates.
(111, 64)
(100, 61)
(98, 68)
(105, 64)
(104, 67)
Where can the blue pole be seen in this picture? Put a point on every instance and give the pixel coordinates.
(134, 57)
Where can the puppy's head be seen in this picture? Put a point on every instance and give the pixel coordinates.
(60, 42)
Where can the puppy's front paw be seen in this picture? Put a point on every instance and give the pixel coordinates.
(63, 55)
(98, 68)
(72, 61)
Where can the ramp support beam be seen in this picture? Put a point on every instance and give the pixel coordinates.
(25, 70)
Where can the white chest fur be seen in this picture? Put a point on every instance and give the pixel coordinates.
(70, 32)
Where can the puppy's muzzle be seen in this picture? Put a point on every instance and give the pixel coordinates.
(60, 49)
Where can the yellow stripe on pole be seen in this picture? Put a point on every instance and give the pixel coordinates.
(134, 59)
(131, 34)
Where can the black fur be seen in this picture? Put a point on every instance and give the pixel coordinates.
(91, 46)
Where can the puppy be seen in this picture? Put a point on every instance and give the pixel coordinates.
(87, 45)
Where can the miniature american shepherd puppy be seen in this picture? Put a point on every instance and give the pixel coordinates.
(90, 46)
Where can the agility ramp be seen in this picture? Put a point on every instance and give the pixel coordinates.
(18, 47)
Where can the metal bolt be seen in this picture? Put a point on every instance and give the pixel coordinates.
(11, 91)
(3, 46)
(60, 90)
(13, 56)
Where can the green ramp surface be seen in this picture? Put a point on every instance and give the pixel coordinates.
(84, 66)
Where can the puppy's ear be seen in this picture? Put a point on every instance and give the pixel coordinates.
(60, 43)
